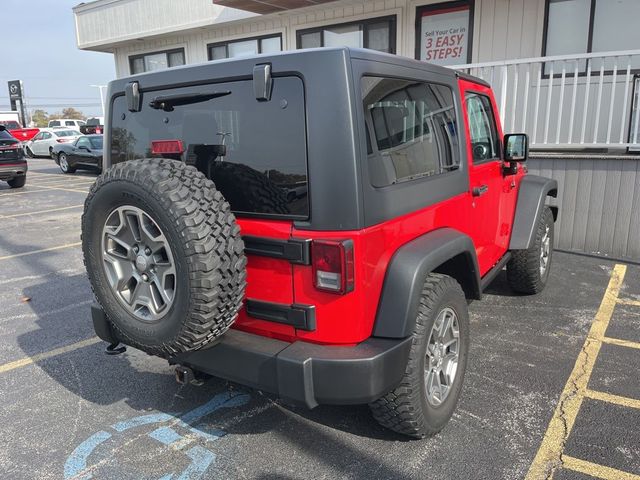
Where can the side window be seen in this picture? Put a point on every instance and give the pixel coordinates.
(70, 123)
(485, 143)
(411, 129)
(83, 142)
(38, 137)
(46, 136)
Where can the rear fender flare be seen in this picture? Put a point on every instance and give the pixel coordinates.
(407, 272)
(531, 201)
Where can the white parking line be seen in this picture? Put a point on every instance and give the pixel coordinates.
(33, 252)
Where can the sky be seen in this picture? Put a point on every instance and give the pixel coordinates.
(39, 47)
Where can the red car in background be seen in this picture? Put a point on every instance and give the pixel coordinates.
(15, 129)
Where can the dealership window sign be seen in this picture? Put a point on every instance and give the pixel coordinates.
(444, 33)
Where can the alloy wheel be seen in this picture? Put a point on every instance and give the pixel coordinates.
(443, 352)
(138, 263)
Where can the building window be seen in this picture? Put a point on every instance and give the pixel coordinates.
(586, 26)
(245, 47)
(375, 33)
(156, 61)
(444, 33)
(411, 129)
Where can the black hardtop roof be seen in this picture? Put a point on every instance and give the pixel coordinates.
(301, 60)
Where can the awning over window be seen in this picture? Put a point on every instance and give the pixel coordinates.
(268, 6)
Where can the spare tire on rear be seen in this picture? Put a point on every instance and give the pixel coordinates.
(164, 255)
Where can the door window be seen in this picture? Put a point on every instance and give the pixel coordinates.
(485, 143)
(46, 136)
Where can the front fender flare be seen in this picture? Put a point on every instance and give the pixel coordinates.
(406, 274)
(531, 200)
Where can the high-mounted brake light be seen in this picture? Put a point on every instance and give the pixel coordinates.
(332, 264)
(160, 147)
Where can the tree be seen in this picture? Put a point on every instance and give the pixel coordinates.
(71, 112)
(40, 118)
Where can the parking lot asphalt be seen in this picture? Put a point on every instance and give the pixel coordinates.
(552, 385)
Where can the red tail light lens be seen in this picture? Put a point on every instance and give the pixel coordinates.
(62, 140)
(163, 147)
(332, 263)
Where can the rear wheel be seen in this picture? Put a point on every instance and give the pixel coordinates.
(428, 394)
(165, 258)
(528, 270)
(51, 154)
(17, 182)
(63, 162)
(29, 152)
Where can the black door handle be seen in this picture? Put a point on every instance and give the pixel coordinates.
(481, 190)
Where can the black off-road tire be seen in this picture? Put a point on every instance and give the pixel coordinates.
(523, 270)
(206, 246)
(250, 188)
(406, 409)
(17, 182)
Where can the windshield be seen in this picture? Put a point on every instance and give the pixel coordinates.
(96, 142)
(66, 133)
(10, 124)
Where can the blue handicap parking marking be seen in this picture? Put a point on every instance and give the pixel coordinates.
(77, 468)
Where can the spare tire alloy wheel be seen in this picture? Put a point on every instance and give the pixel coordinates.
(138, 263)
(164, 255)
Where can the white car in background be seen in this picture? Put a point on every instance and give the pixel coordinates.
(66, 122)
(42, 144)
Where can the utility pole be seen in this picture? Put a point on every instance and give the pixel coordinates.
(101, 87)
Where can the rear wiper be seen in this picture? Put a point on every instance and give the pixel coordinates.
(167, 102)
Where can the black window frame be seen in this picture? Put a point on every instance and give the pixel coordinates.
(225, 44)
(494, 126)
(393, 31)
(132, 58)
(435, 7)
(581, 73)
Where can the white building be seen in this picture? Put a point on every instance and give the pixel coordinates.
(505, 39)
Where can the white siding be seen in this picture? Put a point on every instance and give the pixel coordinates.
(503, 29)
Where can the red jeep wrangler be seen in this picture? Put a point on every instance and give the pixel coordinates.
(353, 290)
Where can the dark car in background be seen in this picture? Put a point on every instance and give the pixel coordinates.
(93, 125)
(84, 152)
(13, 165)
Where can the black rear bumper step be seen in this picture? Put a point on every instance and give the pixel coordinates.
(300, 371)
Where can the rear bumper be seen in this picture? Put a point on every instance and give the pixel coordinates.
(301, 372)
(12, 170)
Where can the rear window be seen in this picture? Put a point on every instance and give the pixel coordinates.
(4, 135)
(264, 169)
(66, 133)
(92, 122)
(54, 123)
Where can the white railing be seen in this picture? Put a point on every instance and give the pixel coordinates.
(568, 101)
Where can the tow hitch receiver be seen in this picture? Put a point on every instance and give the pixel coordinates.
(184, 376)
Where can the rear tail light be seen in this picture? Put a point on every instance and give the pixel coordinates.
(162, 147)
(332, 263)
(63, 140)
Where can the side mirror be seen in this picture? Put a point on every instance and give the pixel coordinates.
(516, 147)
